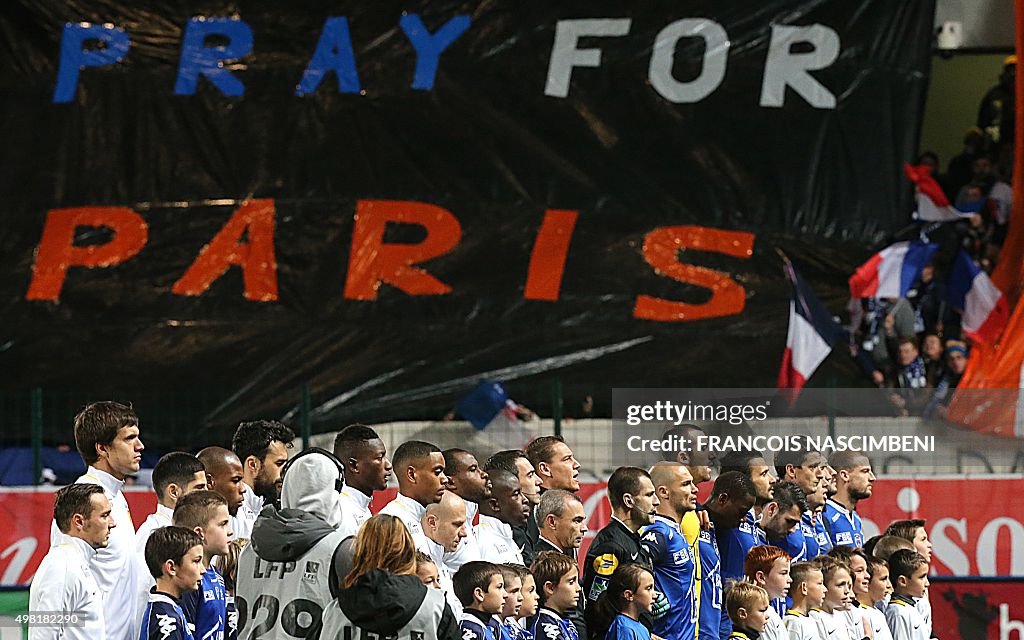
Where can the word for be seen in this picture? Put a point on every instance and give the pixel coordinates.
(793, 52)
(246, 241)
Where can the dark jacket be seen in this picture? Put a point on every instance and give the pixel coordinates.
(382, 603)
(612, 547)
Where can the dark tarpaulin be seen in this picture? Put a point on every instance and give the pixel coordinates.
(484, 142)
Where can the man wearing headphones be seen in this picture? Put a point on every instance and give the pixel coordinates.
(293, 565)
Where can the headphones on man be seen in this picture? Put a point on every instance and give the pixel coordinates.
(339, 484)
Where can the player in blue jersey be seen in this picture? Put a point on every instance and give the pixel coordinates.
(174, 557)
(853, 484)
(731, 497)
(672, 554)
(206, 513)
(558, 585)
(480, 588)
(734, 544)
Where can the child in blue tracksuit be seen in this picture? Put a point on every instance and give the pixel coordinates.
(174, 557)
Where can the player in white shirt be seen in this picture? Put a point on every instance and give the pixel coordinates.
(838, 598)
(768, 567)
(807, 591)
(224, 475)
(879, 588)
(63, 585)
(107, 436)
(444, 528)
(419, 467)
(505, 509)
(262, 447)
(367, 470)
(908, 572)
(915, 532)
(174, 475)
(468, 480)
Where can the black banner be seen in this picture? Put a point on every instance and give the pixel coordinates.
(389, 201)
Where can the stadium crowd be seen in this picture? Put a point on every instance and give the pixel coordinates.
(247, 543)
(914, 344)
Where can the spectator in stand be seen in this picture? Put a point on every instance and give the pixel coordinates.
(931, 354)
(927, 297)
(956, 364)
(996, 116)
(382, 594)
(911, 378)
(961, 166)
(262, 447)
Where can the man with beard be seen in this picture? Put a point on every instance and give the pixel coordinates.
(563, 524)
(367, 469)
(444, 528)
(224, 475)
(734, 544)
(515, 461)
(633, 502)
(853, 484)
(262, 446)
(731, 498)
(812, 523)
(673, 555)
(468, 480)
(780, 519)
(500, 514)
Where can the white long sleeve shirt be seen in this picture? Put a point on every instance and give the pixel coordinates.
(64, 584)
(468, 549)
(408, 511)
(113, 567)
(495, 541)
(355, 510)
(242, 522)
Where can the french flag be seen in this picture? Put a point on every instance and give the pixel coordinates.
(892, 271)
(984, 307)
(932, 203)
(812, 332)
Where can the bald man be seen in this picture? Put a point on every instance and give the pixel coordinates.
(224, 475)
(444, 527)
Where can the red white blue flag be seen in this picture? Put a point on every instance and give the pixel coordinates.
(812, 332)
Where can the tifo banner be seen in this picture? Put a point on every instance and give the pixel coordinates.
(274, 195)
(973, 524)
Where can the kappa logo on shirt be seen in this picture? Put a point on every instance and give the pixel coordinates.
(468, 634)
(166, 624)
(551, 630)
(844, 537)
(651, 536)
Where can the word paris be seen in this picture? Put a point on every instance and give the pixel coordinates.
(792, 53)
(246, 241)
